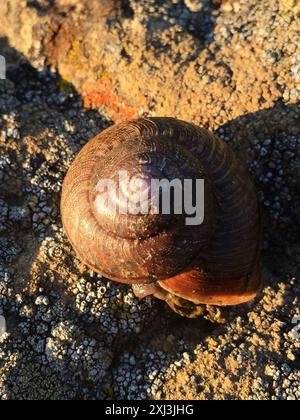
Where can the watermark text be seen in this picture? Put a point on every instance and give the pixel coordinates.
(137, 195)
(2, 68)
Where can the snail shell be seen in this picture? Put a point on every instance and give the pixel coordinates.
(215, 262)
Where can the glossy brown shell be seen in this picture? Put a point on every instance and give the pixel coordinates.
(216, 262)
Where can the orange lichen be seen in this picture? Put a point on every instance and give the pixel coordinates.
(104, 93)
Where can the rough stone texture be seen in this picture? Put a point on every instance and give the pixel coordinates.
(77, 67)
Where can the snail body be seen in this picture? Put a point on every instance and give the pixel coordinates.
(216, 262)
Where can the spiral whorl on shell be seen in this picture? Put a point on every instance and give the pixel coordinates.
(216, 262)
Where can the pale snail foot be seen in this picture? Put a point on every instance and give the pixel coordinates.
(181, 306)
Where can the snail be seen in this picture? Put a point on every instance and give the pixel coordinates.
(194, 267)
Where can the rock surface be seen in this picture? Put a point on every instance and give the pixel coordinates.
(74, 68)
